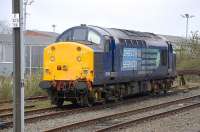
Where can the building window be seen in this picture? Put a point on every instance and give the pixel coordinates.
(1, 52)
(94, 37)
(6, 53)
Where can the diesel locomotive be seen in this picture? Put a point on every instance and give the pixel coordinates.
(89, 64)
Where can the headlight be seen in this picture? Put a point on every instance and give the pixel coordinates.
(78, 58)
(52, 58)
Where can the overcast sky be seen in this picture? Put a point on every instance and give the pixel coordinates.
(157, 16)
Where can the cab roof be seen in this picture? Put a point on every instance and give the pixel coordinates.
(125, 34)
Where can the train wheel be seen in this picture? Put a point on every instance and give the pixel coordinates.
(57, 98)
(59, 102)
(165, 91)
(86, 101)
(74, 102)
(120, 95)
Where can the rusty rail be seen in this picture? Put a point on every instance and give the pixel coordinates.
(188, 72)
(10, 108)
(148, 118)
(28, 98)
(90, 122)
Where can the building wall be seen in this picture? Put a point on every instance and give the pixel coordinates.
(35, 42)
(6, 68)
(33, 58)
(6, 52)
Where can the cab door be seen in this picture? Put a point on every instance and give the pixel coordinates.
(109, 53)
(170, 58)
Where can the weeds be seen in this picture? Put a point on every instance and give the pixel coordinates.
(31, 87)
(5, 88)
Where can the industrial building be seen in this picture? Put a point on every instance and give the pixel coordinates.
(34, 41)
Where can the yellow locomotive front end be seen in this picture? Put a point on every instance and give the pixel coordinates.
(68, 61)
(68, 72)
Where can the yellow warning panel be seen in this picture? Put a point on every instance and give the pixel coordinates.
(68, 61)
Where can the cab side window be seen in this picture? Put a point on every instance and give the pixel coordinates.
(65, 36)
(79, 34)
(94, 37)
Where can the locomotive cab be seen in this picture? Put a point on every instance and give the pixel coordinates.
(68, 69)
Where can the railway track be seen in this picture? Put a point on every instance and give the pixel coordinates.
(30, 112)
(53, 112)
(9, 109)
(29, 98)
(148, 118)
(123, 119)
(46, 113)
(31, 116)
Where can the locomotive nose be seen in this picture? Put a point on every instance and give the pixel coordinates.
(68, 61)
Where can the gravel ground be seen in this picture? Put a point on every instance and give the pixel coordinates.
(56, 122)
(184, 122)
(100, 125)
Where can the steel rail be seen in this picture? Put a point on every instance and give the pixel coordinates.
(35, 111)
(148, 118)
(118, 115)
(45, 116)
(65, 112)
(29, 98)
(10, 108)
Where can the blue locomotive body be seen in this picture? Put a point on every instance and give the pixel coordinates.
(125, 62)
(124, 55)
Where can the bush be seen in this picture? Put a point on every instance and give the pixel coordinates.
(31, 87)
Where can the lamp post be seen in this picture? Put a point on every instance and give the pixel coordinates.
(26, 3)
(187, 16)
(18, 70)
(54, 27)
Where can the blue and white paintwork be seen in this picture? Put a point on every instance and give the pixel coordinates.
(136, 58)
(140, 59)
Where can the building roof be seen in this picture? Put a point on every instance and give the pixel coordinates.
(32, 38)
(175, 39)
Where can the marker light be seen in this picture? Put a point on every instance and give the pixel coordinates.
(52, 58)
